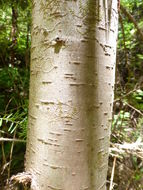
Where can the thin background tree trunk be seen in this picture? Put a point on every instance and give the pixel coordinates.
(71, 93)
(14, 31)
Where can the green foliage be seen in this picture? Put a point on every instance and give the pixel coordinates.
(129, 45)
(23, 33)
(128, 108)
(14, 84)
(15, 122)
(120, 126)
(137, 99)
(13, 100)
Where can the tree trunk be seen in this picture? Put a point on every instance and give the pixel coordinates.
(14, 31)
(71, 93)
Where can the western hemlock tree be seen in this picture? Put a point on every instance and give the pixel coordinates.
(71, 93)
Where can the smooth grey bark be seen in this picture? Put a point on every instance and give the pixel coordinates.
(71, 93)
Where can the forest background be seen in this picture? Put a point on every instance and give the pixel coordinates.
(126, 151)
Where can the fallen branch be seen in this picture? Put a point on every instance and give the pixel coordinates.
(135, 148)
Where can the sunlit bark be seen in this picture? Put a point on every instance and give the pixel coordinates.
(71, 93)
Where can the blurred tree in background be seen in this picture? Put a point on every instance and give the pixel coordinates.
(126, 161)
(15, 20)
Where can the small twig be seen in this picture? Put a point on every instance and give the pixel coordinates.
(3, 153)
(10, 157)
(11, 140)
(112, 174)
(134, 108)
(125, 95)
(8, 104)
(4, 167)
